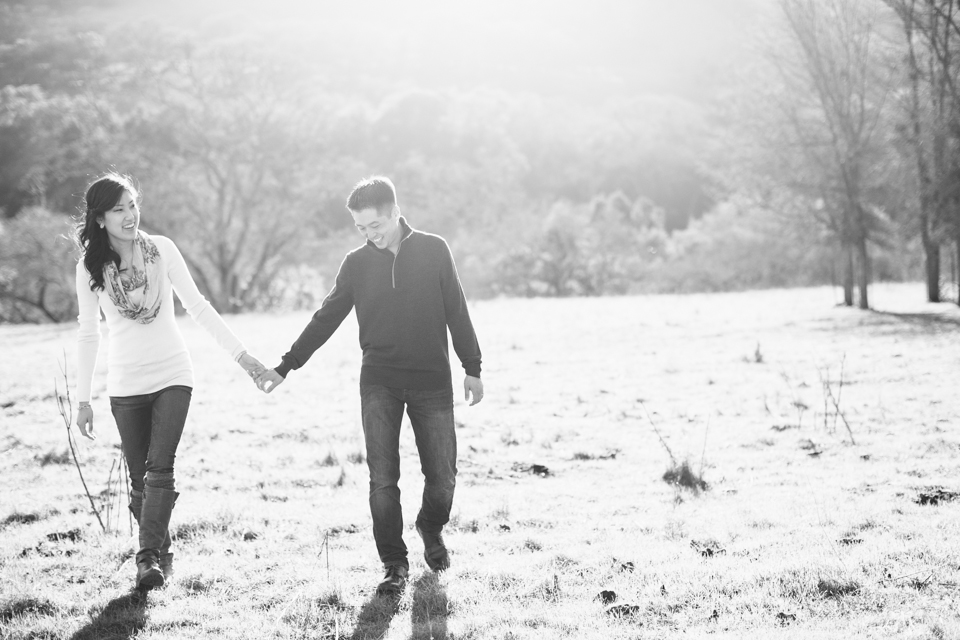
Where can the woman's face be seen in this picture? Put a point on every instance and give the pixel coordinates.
(123, 220)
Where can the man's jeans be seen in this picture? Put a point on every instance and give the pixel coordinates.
(431, 414)
(150, 427)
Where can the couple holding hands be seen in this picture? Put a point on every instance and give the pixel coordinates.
(404, 287)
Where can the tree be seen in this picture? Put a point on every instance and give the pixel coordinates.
(51, 145)
(37, 262)
(833, 101)
(605, 246)
(931, 32)
(232, 158)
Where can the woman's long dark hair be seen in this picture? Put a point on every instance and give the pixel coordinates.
(102, 195)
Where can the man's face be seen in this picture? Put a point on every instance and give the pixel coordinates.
(382, 229)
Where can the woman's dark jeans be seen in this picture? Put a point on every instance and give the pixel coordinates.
(431, 414)
(150, 427)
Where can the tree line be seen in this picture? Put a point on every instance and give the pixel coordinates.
(833, 156)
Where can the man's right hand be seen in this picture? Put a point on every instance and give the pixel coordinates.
(269, 380)
(85, 422)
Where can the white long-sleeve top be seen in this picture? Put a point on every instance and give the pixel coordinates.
(143, 358)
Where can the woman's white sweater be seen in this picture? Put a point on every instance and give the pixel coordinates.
(143, 358)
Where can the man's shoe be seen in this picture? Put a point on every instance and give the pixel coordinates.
(394, 581)
(434, 550)
(166, 564)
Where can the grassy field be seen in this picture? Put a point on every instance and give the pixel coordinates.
(811, 525)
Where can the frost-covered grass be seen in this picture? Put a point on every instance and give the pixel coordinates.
(800, 533)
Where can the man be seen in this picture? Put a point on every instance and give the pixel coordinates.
(404, 286)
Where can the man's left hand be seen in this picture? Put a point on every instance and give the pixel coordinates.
(474, 386)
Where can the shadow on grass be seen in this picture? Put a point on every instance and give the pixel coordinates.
(924, 322)
(430, 608)
(122, 618)
(375, 617)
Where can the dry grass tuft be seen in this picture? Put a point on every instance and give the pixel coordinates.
(832, 588)
(203, 527)
(26, 607)
(683, 476)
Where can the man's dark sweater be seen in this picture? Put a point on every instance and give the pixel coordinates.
(404, 305)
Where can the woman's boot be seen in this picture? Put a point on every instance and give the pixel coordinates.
(166, 556)
(154, 522)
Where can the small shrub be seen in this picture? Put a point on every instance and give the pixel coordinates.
(467, 526)
(532, 545)
(500, 513)
(685, 477)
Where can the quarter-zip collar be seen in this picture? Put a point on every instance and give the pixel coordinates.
(407, 230)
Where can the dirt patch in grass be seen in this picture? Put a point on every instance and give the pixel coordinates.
(54, 457)
(73, 535)
(16, 518)
(936, 496)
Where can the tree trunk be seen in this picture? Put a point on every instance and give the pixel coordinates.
(955, 258)
(863, 276)
(931, 251)
(848, 276)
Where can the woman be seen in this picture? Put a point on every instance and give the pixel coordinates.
(130, 276)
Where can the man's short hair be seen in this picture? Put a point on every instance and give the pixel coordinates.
(377, 192)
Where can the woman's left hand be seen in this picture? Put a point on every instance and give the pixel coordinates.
(85, 421)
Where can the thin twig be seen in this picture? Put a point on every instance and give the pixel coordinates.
(825, 386)
(113, 490)
(326, 543)
(703, 454)
(109, 502)
(126, 486)
(120, 508)
(907, 575)
(836, 404)
(673, 461)
(797, 403)
(66, 412)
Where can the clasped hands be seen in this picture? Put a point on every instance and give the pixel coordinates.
(266, 379)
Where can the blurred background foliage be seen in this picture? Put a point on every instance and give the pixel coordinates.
(562, 149)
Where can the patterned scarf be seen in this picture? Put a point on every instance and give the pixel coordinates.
(149, 306)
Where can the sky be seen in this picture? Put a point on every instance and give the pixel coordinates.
(574, 49)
